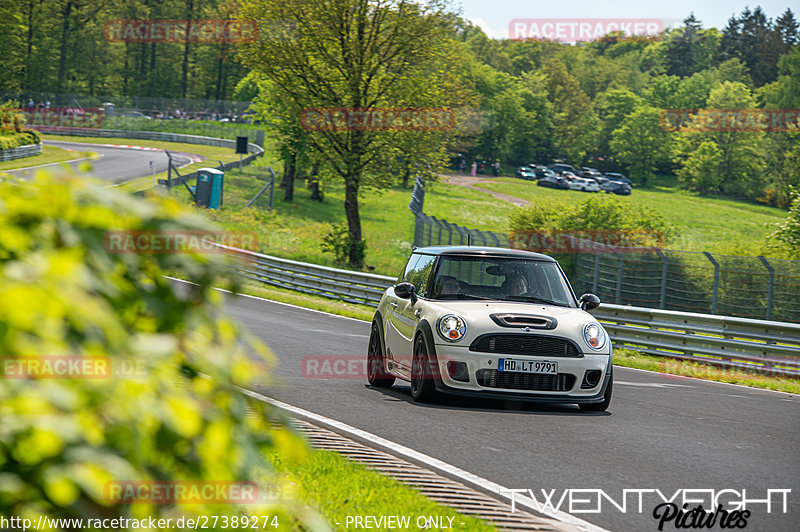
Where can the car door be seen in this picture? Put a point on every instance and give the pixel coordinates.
(407, 314)
(393, 323)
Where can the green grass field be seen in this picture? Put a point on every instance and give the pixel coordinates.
(49, 155)
(702, 223)
(295, 229)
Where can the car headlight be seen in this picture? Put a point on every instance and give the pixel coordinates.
(594, 335)
(451, 327)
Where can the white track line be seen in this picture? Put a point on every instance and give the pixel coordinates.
(97, 156)
(429, 461)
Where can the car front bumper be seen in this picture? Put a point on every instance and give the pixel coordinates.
(475, 361)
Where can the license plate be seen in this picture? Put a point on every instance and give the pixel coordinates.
(527, 366)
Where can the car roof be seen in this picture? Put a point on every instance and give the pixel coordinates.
(471, 251)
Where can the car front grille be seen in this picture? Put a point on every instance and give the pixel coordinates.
(525, 344)
(512, 380)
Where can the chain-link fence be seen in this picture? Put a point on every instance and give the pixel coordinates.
(146, 105)
(751, 287)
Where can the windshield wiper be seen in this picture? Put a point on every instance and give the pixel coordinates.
(470, 296)
(534, 299)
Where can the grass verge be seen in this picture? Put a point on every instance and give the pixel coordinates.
(683, 368)
(49, 155)
(338, 488)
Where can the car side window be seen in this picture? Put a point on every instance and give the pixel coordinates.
(409, 266)
(419, 272)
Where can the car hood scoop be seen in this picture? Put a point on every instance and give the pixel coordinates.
(521, 321)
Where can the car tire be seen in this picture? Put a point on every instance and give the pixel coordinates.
(601, 407)
(376, 368)
(423, 389)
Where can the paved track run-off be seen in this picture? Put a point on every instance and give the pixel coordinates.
(115, 163)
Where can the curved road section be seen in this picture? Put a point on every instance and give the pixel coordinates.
(689, 439)
(116, 164)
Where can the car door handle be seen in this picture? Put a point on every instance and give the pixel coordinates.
(393, 304)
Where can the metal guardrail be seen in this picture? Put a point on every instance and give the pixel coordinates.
(757, 345)
(335, 283)
(252, 148)
(20, 152)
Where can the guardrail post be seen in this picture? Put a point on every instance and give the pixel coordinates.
(664, 269)
(418, 227)
(771, 271)
(619, 277)
(716, 281)
(430, 229)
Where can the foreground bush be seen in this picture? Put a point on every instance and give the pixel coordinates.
(170, 410)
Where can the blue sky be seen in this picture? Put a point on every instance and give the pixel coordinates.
(493, 16)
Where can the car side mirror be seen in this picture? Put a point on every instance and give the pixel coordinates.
(405, 291)
(589, 302)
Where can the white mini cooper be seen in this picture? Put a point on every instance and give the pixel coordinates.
(490, 322)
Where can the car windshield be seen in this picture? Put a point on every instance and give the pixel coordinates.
(501, 278)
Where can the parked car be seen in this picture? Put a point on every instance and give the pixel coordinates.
(526, 172)
(543, 171)
(585, 185)
(554, 181)
(617, 187)
(560, 168)
(569, 176)
(592, 173)
(134, 114)
(490, 322)
(613, 176)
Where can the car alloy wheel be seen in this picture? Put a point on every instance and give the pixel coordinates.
(376, 371)
(422, 386)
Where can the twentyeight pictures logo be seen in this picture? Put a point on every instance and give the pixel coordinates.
(571, 30)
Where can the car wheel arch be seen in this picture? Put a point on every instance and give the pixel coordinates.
(425, 331)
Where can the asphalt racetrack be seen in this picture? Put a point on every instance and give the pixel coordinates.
(661, 432)
(115, 164)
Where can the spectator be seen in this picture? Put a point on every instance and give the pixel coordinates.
(462, 166)
(496, 168)
(474, 168)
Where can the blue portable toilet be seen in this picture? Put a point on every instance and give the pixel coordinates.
(209, 188)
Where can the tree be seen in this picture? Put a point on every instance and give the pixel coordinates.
(787, 235)
(738, 155)
(641, 143)
(357, 55)
(690, 49)
(163, 405)
(573, 123)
